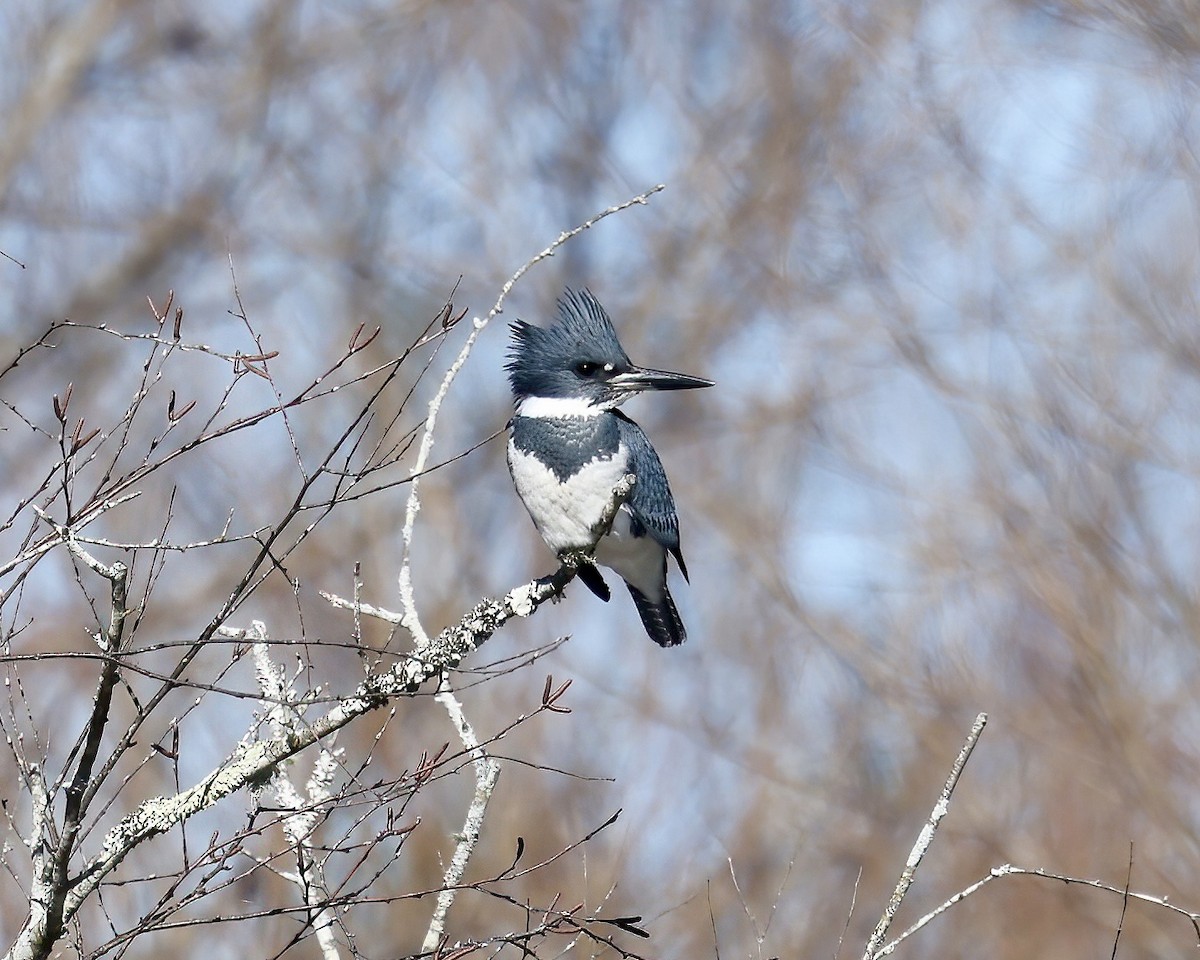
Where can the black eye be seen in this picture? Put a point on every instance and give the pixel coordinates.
(586, 368)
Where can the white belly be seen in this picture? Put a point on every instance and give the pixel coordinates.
(565, 512)
(639, 560)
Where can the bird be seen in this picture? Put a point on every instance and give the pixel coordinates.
(569, 445)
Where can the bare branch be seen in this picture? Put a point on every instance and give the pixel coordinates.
(487, 772)
(366, 609)
(923, 841)
(254, 761)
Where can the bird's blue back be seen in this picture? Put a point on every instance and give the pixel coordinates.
(651, 503)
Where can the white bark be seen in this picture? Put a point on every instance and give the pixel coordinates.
(253, 762)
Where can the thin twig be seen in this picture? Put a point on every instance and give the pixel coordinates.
(363, 609)
(1124, 903)
(412, 621)
(837, 953)
(923, 841)
(1008, 870)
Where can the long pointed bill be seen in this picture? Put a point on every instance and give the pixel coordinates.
(640, 378)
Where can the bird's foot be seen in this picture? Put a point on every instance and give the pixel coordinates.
(583, 566)
(551, 581)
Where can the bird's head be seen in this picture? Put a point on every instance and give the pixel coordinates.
(579, 357)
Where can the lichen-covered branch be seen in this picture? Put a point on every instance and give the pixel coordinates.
(254, 762)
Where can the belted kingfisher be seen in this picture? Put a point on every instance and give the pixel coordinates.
(569, 446)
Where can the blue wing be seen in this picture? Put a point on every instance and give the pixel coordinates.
(651, 503)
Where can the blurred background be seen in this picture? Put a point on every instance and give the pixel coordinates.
(943, 260)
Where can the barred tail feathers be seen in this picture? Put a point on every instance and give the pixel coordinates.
(661, 619)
